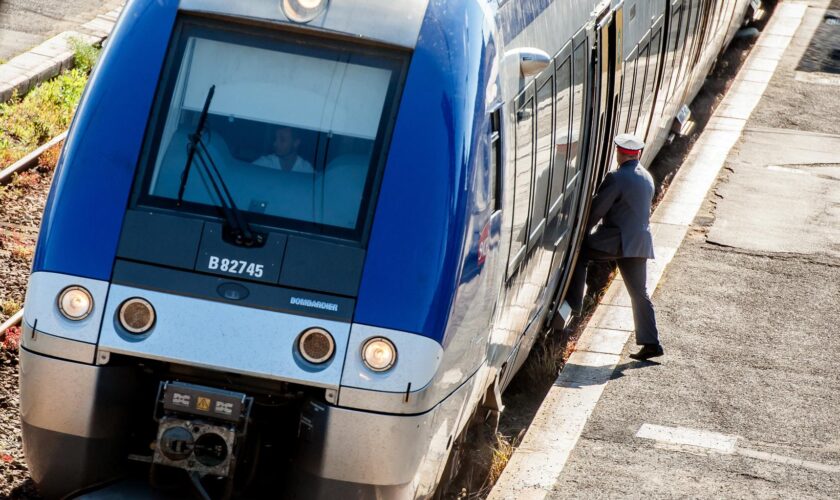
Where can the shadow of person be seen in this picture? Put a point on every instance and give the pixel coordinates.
(632, 365)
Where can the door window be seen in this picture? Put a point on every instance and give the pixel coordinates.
(522, 182)
(542, 170)
(565, 145)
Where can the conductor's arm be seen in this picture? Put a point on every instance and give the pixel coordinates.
(607, 194)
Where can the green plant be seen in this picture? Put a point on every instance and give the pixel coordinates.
(29, 121)
(85, 55)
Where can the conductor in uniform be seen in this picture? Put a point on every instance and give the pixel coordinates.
(623, 203)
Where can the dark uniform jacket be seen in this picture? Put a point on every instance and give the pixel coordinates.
(623, 201)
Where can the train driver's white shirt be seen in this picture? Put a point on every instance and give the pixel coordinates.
(273, 161)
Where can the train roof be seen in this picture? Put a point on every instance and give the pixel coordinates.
(353, 17)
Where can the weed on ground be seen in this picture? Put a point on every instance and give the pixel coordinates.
(29, 121)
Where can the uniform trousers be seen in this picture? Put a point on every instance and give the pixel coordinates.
(634, 272)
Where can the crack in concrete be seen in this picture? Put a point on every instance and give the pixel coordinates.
(798, 257)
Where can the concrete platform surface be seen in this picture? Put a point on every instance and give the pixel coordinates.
(26, 23)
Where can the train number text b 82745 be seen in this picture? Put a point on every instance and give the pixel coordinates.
(234, 266)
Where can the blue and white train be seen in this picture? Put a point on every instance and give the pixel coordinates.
(296, 245)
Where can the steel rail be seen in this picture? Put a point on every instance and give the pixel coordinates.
(30, 160)
(13, 321)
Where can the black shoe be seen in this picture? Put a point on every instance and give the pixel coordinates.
(648, 351)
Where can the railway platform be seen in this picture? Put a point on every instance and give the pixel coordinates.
(745, 402)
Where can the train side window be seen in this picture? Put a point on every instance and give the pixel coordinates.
(650, 81)
(638, 88)
(495, 187)
(718, 15)
(523, 155)
(653, 61)
(673, 46)
(724, 15)
(627, 93)
(578, 82)
(694, 31)
(564, 144)
(692, 11)
(542, 167)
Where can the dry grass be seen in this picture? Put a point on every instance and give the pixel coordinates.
(502, 452)
(22, 252)
(10, 307)
(547, 357)
(26, 180)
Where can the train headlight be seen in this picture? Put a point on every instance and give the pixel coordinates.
(303, 11)
(316, 345)
(137, 315)
(75, 303)
(379, 354)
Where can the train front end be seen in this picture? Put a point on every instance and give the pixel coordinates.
(236, 285)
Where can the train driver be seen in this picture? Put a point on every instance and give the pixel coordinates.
(285, 153)
(623, 203)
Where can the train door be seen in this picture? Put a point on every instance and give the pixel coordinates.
(595, 100)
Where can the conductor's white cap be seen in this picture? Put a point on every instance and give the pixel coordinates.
(629, 142)
(564, 139)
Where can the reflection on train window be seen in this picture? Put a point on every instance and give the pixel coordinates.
(522, 182)
(542, 169)
(652, 69)
(577, 114)
(565, 144)
(638, 88)
(627, 97)
(294, 130)
(724, 13)
(669, 79)
(689, 21)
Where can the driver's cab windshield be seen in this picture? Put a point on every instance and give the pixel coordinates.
(295, 129)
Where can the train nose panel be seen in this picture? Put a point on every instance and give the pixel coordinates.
(223, 336)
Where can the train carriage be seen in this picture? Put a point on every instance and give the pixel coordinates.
(297, 245)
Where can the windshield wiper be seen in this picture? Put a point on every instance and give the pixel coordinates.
(195, 137)
(239, 229)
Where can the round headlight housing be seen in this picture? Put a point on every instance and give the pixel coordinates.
(75, 303)
(316, 345)
(303, 11)
(136, 315)
(379, 354)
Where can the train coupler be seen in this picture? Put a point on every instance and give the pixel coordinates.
(200, 429)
